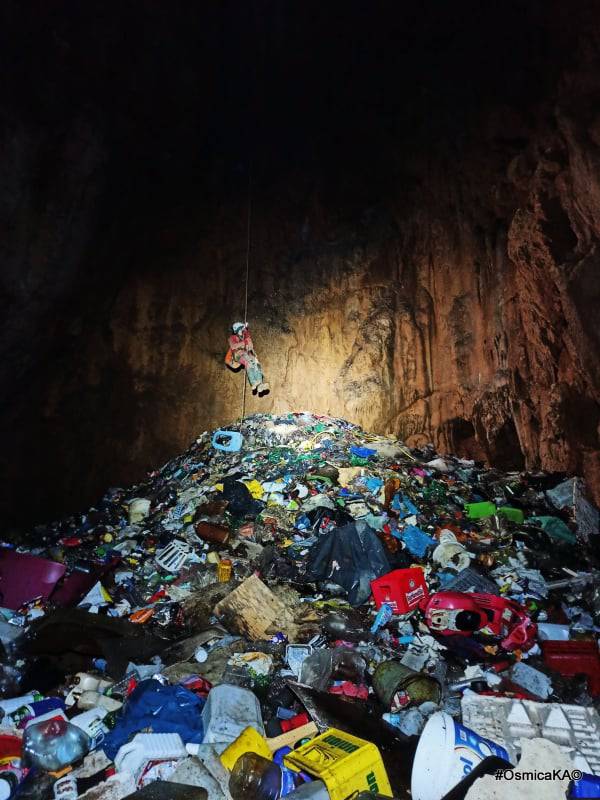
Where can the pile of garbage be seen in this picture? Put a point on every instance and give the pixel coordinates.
(295, 607)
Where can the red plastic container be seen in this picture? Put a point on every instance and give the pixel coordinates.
(403, 589)
(575, 658)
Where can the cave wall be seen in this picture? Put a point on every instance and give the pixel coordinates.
(442, 286)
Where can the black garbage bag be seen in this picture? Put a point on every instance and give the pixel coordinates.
(338, 515)
(351, 556)
(240, 502)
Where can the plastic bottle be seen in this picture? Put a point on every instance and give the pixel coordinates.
(13, 703)
(224, 570)
(89, 700)
(91, 723)
(54, 744)
(316, 790)
(255, 777)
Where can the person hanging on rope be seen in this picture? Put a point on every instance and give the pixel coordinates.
(241, 354)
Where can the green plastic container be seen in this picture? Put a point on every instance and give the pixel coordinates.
(555, 528)
(513, 514)
(480, 510)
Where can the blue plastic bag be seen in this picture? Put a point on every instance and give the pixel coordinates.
(404, 505)
(373, 484)
(362, 452)
(163, 709)
(416, 541)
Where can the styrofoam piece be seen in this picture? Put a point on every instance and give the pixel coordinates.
(203, 768)
(172, 557)
(576, 729)
(139, 508)
(549, 631)
(228, 710)
(532, 680)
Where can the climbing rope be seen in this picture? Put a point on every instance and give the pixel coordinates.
(248, 224)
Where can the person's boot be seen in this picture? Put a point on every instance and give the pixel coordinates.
(263, 388)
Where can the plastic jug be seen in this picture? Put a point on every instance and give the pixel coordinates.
(227, 441)
(228, 711)
(54, 744)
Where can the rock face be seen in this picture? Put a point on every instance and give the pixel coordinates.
(441, 283)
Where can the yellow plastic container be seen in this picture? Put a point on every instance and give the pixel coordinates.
(345, 763)
(224, 568)
(249, 741)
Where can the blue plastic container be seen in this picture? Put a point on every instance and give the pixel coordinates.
(227, 441)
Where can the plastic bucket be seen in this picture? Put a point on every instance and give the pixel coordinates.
(447, 751)
(392, 677)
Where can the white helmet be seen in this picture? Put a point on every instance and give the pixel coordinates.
(238, 327)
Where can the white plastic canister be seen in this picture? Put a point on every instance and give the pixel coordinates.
(228, 710)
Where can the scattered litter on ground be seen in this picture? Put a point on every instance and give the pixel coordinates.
(295, 607)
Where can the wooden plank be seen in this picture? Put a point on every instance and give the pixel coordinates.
(291, 737)
(251, 609)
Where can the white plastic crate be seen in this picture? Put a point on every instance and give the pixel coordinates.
(172, 557)
(576, 729)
